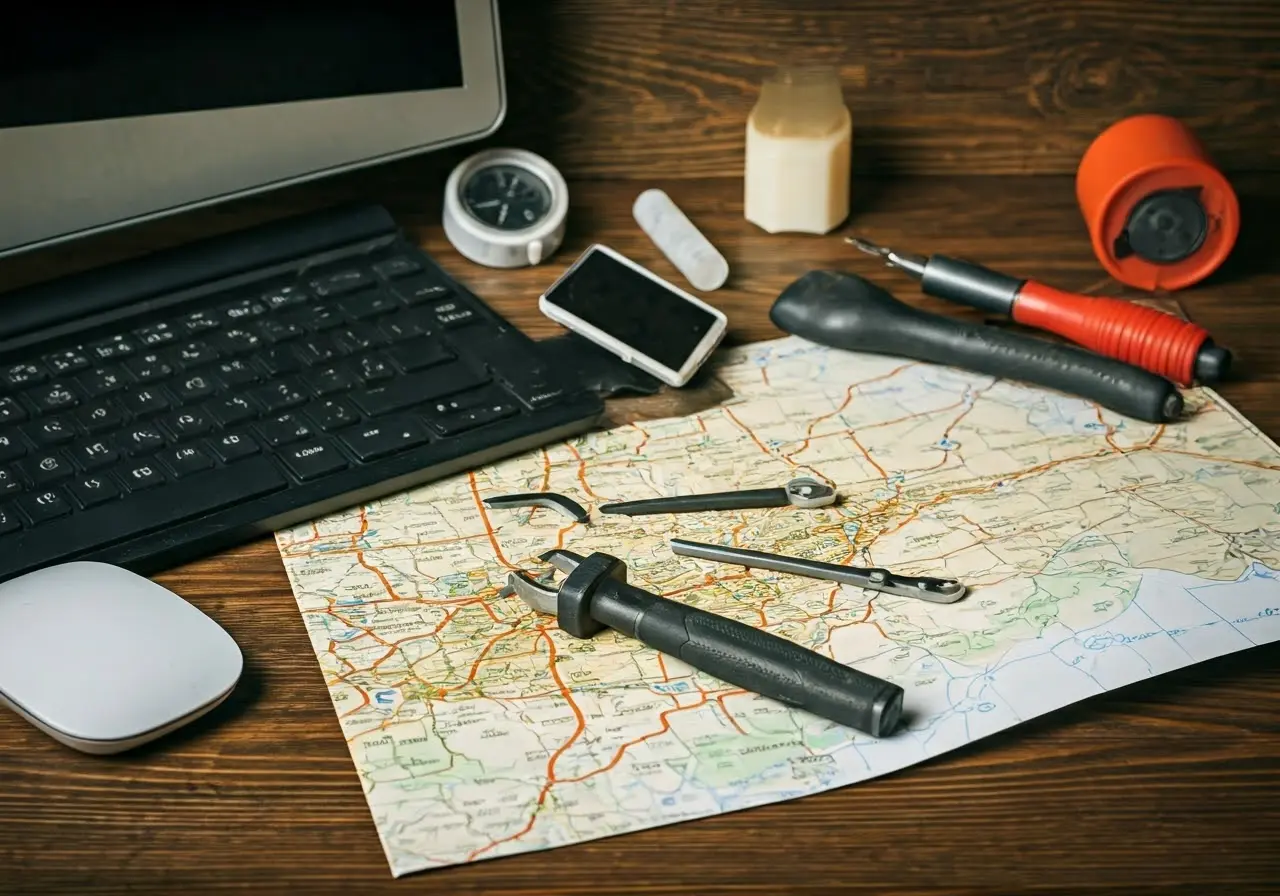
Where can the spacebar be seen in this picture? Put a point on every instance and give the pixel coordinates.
(138, 513)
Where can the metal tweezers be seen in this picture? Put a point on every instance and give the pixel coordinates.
(802, 492)
(938, 591)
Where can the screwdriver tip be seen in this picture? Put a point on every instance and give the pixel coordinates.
(866, 246)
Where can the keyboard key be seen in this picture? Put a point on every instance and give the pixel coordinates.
(243, 310)
(417, 388)
(472, 419)
(145, 402)
(236, 340)
(313, 460)
(372, 369)
(90, 491)
(8, 521)
(279, 331)
(329, 380)
(231, 447)
(453, 314)
(10, 481)
(287, 393)
(43, 507)
(332, 415)
(369, 304)
(420, 290)
(21, 375)
(318, 349)
(93, 455)
(141, 477)
(280, 360)
(232, 411)
(199, 322)
(157, 334)
(195, 353)
(52, 431)
(149, 367)
(400, 266)
(11, 446)
(118, 346)
(43, 469)
(285, 297)
(418, 354)
(103, 380)
(53, 397)
(358, 337)
(11, 411)
(466, 400)
(341, 283)
(284, 429)
(236, 372)
(100, 416)
(67, 361)
(150, 511)
(185, 425)
(193, 387)
(316, 317)
(375, 440)
(185, 460)
(141, 440)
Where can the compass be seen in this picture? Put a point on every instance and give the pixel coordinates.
(505, 208)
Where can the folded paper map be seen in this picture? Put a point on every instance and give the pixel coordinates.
(1099, 551)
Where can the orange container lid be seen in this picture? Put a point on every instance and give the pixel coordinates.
(1160, 214)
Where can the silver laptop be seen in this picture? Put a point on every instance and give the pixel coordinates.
(109, 118)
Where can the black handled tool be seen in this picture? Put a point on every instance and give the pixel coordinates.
(847, 312)
(801, 492)
(594, 595)
(938, 591)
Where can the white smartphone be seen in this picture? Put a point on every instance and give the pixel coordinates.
(635, 314)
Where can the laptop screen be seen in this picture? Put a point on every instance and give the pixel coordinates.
(67, 63)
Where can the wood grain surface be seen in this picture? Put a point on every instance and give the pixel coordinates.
(1172, 785)
(619, 88)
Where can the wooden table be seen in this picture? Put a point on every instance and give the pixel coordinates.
(1171, 784)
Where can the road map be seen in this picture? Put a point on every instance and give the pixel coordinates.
(1099, 551)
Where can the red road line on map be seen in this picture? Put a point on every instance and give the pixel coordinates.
(582, 473)
(475, 666)
(383, 547)
(867, 454)
(808, 433)
(617, 756)
(484, 518)
(644, 441)
(759, 444)
(720, 698)
(551, 763)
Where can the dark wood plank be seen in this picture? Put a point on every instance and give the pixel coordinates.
(619, 88)
(1169, 785)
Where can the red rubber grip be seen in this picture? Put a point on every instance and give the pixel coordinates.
(1146, 337)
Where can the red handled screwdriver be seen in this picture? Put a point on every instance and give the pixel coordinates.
(1145, 337)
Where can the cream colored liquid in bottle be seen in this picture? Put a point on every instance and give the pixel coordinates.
(799, 148)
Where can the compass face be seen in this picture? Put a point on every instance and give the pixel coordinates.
(507, 197)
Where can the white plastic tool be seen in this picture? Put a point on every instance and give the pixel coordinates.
(680, 241)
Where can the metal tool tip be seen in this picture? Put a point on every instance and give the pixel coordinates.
(565, 561)
(866, 246)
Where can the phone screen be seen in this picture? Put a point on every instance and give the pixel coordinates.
(634, 309)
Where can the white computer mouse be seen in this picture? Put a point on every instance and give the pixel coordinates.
(104, 660)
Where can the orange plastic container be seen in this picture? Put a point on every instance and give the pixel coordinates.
(1160, 214)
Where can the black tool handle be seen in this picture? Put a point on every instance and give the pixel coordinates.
(754, 660)
(745, 500)
(847, 312)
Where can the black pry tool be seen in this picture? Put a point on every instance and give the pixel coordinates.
(802, 492)
(594, 595)
(845, 311)
(551, 500)
(937, 591)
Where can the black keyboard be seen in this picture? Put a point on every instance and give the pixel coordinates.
(159, 410)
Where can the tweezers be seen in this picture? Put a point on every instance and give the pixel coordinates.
(569, 507)
(938, 591)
